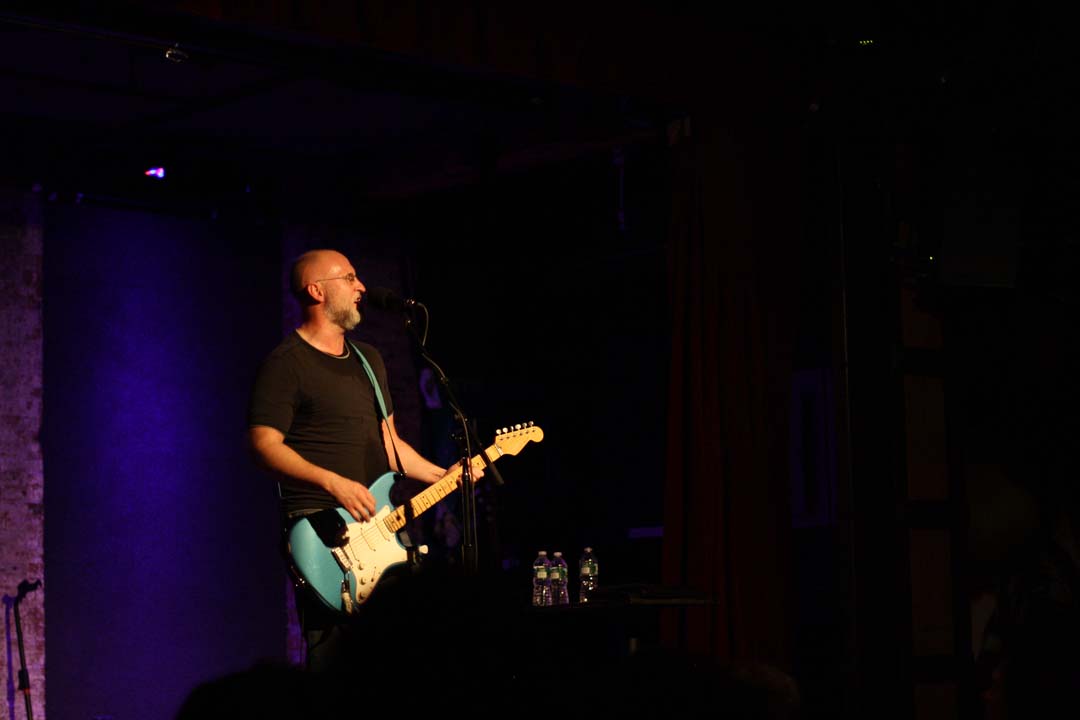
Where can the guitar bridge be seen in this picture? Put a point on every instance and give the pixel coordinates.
(346, 560)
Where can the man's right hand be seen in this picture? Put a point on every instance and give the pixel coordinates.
(354, 497)
(271, 451)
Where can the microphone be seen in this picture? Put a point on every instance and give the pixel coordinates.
(386, 299)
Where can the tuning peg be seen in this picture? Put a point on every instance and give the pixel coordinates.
(498, 432)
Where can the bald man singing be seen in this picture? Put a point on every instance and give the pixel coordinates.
(316, 423)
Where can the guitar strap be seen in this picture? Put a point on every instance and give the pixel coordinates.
(379, 397)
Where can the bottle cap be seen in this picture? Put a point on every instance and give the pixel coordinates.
(588, 549)
(542, 552)
(558, 553)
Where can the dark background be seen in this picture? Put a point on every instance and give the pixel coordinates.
(531, 211)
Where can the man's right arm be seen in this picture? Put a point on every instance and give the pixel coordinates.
(270, 450)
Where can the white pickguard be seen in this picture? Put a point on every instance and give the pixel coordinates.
(370, 549)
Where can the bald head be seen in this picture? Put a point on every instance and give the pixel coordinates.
(312, 266)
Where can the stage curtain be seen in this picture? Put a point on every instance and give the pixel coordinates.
(732, 286)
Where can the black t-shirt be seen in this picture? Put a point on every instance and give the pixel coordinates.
(327, 410)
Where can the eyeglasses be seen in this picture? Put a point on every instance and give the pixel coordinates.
(350, 278)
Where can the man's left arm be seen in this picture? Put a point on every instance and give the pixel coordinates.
(416, 465)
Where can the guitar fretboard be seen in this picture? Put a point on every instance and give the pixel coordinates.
(424, 501)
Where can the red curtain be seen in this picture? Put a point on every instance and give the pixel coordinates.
(734, 221)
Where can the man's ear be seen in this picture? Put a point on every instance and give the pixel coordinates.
(315, 292)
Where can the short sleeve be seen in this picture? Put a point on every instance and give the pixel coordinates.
(275, 394)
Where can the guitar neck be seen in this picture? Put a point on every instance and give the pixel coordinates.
(424, 501)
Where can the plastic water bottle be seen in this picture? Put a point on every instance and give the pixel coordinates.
(588, 575)
(541, 580)
(559, 577)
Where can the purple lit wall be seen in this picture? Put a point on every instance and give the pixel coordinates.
(158, 522)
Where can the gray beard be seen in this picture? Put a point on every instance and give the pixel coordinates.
(346, 317)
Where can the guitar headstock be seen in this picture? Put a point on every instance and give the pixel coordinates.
(511, 439)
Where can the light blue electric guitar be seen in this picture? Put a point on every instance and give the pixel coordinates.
(342, 559)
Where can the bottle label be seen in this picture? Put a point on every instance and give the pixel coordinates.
(541, 574)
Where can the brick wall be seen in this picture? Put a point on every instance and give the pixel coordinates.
(22, 551)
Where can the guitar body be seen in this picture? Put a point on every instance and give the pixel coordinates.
(368, 550)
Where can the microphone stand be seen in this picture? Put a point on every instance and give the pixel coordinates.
(468, 499)
(25, 587)
(467, 440)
